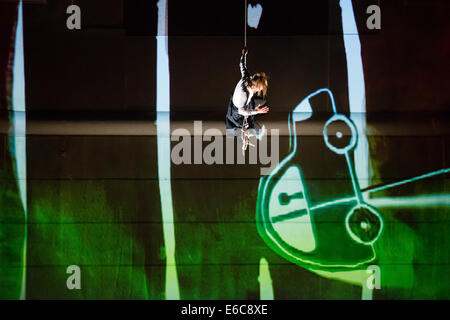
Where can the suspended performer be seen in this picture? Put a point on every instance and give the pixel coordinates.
(242, 107)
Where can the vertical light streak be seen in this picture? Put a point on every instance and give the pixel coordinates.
(265, 281)
(357, 99)
(356, 90)
(163, 142)
(17, 136)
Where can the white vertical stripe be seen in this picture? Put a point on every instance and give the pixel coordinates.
(163, 141)
(18, 134)
(265, 281)
(356, 90)
(357, 100)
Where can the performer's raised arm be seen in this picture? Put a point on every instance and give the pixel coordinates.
(241, 108)
(243, 64)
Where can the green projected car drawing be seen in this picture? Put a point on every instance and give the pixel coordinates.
(298, 221)
(324, 225)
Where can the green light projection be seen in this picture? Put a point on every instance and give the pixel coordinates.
(336, 238)
(287, 220)
(265, 281)
(74, 222)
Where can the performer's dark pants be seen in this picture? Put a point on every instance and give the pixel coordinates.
(234, 120)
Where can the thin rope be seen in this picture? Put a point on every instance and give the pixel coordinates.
(244, 133)
(245, 24)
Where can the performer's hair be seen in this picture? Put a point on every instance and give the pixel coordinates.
(260, 78)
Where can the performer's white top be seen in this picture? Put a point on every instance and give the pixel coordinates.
(242, 94)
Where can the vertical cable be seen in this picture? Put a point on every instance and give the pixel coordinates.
(245, 24)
